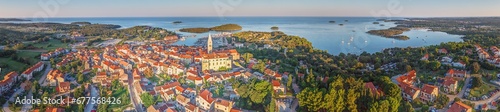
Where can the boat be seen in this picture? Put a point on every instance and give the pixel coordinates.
(393, 41)
(342, 41)
(366, 41)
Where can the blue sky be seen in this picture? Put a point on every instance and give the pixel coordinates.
(166, 8)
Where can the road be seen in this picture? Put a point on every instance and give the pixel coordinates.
(133, 96)
(27, 107)
(93, 94)
(48, 68)
(6, 105)
(295, 102)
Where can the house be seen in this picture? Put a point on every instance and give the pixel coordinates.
(443, 50)
(191, 108)
(425, 57)
(54, 76)
(278, 87)
(372, 88)
(446, 59)
(222, 105)
(181, 100)
(429, 93)
(28, 73)
(449, 84)
(459, 107)
(167, 95)
(456, 73)
(63, 87)
(410, 93)
(8, 81)
(204, 100)
(459, 64)
(407, 78)
(194, 79)
(54, 109)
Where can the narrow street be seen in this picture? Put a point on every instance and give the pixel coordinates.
(133, 96)
(93, 93)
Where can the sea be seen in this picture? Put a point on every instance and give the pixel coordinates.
(351, 37)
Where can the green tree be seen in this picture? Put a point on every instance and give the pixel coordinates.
(476, 82)
(476, 67)
(384, 106)
(147, 99)
(310, 98)
(289, 81)
(335, 101)
(80, 79)
(394, 104)
(272, 105)
(434, 65)
(247, 57)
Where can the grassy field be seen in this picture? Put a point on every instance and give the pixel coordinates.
(11, 66)
(54, 44)
(124, 98)
(482, 90)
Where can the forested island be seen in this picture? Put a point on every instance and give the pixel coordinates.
(275, 28)
(394, 32)
(13, 19)
(225, 27)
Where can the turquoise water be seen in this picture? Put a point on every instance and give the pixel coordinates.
(349, 38)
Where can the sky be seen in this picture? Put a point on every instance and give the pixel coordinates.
(181, 8)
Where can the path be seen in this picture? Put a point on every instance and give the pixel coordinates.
(27, 107)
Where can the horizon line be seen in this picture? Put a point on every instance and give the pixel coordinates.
(248, 16)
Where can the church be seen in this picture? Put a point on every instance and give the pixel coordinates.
(215, 61)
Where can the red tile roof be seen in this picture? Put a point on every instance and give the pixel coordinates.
(459, 107)
(207, 96)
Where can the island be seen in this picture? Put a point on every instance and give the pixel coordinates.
(275, 28)
(331, 21)
(375, 22)
(81, 23)
(13, 19)
(225, 27)
(177, 22)
(393, 32)
(341, 24)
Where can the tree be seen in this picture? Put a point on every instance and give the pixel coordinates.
(80, 78)
(476, 67)
(442, 101)
(434, 65)
(384, 106)
(289, 81)
(147, 99)
(310, 98)
(476, 82)
(408, 68)
(247, 57)
(272, 105)
(334, 101)
(394, 104)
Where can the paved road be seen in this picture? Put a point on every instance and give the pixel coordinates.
(133, 96)
(6, 105)
(27, 107)
(93, 94)
(48, 68)
(295, 102)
